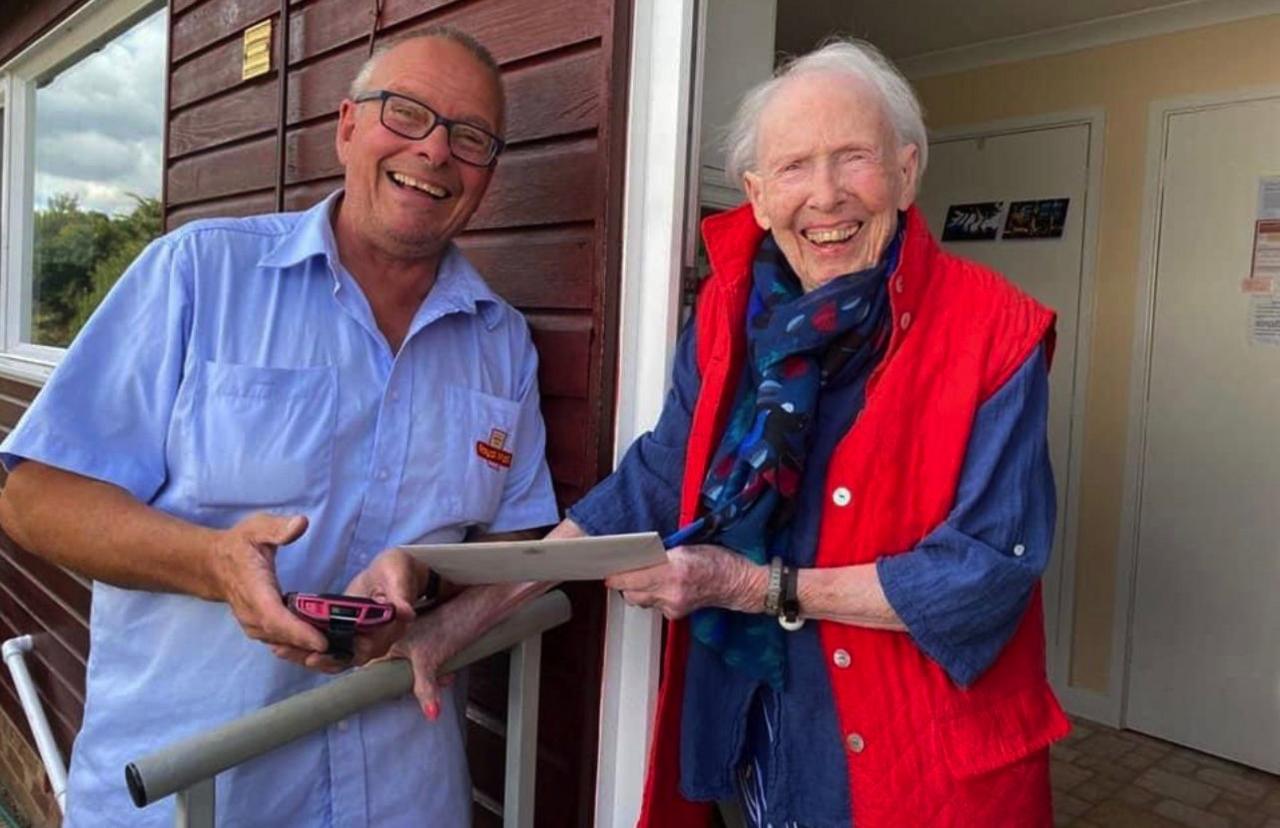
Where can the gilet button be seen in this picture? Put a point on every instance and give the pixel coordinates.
(854, 742)
(841, 658)
(841, 496)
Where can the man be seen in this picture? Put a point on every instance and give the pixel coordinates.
(263, 404)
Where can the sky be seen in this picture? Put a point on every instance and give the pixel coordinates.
(100, 122)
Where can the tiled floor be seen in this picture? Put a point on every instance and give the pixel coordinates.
(1104, 778)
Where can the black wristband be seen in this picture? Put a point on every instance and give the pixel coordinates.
(789, 606)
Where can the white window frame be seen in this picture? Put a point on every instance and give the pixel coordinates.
(92, 22)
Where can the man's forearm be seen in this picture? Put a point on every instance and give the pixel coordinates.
(104, 533)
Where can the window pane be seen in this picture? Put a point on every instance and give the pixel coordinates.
(99, 133)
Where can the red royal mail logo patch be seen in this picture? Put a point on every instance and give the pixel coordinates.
(492, 452)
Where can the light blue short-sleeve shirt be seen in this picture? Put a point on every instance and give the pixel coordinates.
(237, 368)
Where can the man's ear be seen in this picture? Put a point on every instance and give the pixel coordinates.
(909, 172)
(754, 186)
(346, 127)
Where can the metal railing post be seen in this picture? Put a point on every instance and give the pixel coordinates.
(195, 806)
(188, 767)
(522, 733)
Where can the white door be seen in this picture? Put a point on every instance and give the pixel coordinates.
(1205, 636)
(1030, 164)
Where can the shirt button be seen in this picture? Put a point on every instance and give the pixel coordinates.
(841, 658)
(383, 474)
(342, 726)
(841, 496)
(395, 396)
(905, 321)
(1019, 550)
(854, 742)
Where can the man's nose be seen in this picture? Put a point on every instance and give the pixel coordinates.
(434, 146)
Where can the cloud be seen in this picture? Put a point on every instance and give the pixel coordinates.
(100, 122)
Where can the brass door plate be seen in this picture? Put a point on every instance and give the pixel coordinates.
(257, 50)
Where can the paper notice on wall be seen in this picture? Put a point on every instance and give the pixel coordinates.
(1264, 268)
(1264, 320)
(1269, 197)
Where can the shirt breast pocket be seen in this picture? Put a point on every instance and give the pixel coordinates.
(484, 446)
(263, 436)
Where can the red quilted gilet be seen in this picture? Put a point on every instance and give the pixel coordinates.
(932, 753)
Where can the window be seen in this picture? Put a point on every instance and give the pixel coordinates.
(83, 142)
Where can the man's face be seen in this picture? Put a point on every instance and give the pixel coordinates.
(409, 198)
(830, 176)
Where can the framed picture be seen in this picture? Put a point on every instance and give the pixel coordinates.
(1040, 219)
(973, 222)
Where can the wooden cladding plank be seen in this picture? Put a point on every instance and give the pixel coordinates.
(11, 410)
(550, 184)
(214, 20)
(564, 354)
(534, 268)
(557, 97)
(22, 21)
(506, 27)
(567, 454)
(18, 390)
(250, 204)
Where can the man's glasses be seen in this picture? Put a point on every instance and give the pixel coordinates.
(414, 120)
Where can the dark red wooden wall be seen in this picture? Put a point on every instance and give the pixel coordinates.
(547, 237)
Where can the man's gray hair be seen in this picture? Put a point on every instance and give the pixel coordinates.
(361, 82)
(856, 59)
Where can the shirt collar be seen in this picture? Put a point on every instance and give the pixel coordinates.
(311, 235)
(459, 287)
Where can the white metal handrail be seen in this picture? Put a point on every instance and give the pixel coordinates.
(187, 768)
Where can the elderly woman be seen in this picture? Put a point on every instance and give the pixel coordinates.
(851, 471)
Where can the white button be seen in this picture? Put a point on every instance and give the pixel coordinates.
(342, 725)
(383, 474)
(898, 284)
(841, 658)
(905, 321)
(841, 496)
(395, 396)
(854, 742)
(1019, 550)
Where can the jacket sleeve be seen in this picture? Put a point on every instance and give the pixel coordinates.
(963, 589)
(643, 493)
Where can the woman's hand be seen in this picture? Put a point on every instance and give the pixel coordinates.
(695, 577)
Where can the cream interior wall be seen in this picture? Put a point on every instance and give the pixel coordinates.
(1123, 79)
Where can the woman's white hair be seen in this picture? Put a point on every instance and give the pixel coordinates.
(856, 59)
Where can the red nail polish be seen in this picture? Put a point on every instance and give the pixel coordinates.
(432, 709)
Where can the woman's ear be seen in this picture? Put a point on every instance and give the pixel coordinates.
(754, 185)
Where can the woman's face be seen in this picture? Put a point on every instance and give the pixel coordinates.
(830, 176)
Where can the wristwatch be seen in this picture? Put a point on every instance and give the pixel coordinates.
(773, 592)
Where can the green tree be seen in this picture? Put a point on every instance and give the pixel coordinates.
(79, 254)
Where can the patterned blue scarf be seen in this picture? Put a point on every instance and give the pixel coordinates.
(797, 343)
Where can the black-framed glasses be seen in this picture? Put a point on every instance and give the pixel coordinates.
(414, 120)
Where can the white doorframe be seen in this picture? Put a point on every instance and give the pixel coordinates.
(1127, 547)
(1064, 612)
(653, 234)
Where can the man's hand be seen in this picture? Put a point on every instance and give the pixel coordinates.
(393, 578)
(243, 568)
(692, 578)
